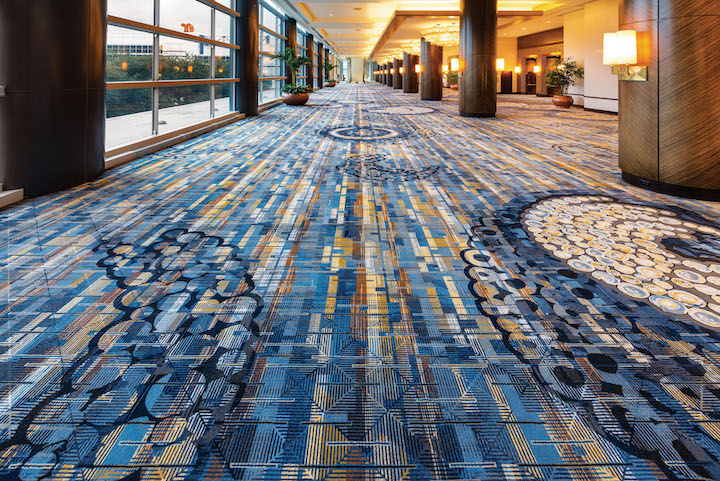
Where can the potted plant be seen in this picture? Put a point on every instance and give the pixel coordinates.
(452, 78)
(565, 74)
(329, 68)
(293, 94)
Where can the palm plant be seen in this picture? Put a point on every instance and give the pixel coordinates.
(328, 68)
(293, 62)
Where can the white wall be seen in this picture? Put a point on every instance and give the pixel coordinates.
(357, 69)
(584, 42)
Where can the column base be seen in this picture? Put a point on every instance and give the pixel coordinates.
(671, 189)
(479, 116)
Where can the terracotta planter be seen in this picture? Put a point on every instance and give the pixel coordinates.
(295, 99)
(331, 84)
(564, 101)
(453, 86)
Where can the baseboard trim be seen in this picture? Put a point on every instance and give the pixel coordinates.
(10, 197)
(599, 111)
(671, 189)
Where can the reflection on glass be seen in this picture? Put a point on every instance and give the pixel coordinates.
(140, 11)
(187, 16)
(182, 106)
(129, 116)
(222, 27)
(268, 19)
(270, 43)
(269, 91)
(129, 55)
(223, 67)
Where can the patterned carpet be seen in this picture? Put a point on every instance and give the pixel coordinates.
(366, 288)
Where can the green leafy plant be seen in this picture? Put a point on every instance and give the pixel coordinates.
(328, 68)
(297, 89)
(564, 74)
(452, 77)
(293, 62)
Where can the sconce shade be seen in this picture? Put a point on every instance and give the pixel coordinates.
(418, 68)
(402, 70)
(445, 68)
(518, 69)
(627, 47)
(455, 64)
(392, 71)
(536, 69)
(500, 64)
(610, 49)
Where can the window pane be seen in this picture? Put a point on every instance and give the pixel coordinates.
(222, 27)
(269, 20)
(189, 16)
(182, 106)
(129, 55)
(269, 90)
(271, 67)
(140, 11)
(182, 59)
(270, 43)
(129, 116)
(223, 67)
(222, 99)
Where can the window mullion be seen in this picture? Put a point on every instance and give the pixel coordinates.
(156, 72)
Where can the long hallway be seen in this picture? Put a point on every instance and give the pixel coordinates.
(365, 288)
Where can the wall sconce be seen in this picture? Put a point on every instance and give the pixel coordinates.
(455, 64)
(518, 70)
(537, 69)
(392, 71)
(620, 51)
(500, 64)
(418, 68)
(402, 70)
(445, 68)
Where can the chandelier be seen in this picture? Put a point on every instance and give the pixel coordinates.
(413, 47)
(443, 35)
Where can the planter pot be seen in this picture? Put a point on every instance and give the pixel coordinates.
(295, 99)
(331, 84)
(564, 101)
(453, 86)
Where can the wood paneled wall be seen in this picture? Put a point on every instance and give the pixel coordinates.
(669, 125)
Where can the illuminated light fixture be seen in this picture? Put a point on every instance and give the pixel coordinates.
(392, 71)
(455, 64)
(443, 35)
(500, 64)
(620, 49)
(220, 70)
(518, 69)
(445, 68)
(124, 65)
(402, 70)
(413, 47)
(418, 68)
(190, 68)
(537, 69)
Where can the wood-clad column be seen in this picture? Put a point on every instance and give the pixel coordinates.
(669, 135)
(328, 58)
(478, 51)
(398, 78)
(249, 37)
(291, 34)
(431, 58)
(410, 77)
(311, 55)
(321, 68)
(52, 119)
(390, 80)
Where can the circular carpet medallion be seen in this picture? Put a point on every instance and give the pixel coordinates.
(643, 252)
(370, 134)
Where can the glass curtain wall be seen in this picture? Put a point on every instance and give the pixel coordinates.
(272, 41)
(316, 63)
(169, 65)
(302, 78)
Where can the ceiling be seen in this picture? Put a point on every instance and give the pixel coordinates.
(354, 28)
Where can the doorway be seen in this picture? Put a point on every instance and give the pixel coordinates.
(530, 76)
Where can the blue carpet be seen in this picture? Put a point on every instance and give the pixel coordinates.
(366, 288)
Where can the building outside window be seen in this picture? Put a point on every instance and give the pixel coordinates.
(167, 68)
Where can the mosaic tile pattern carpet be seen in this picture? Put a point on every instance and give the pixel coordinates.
(366, 288)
